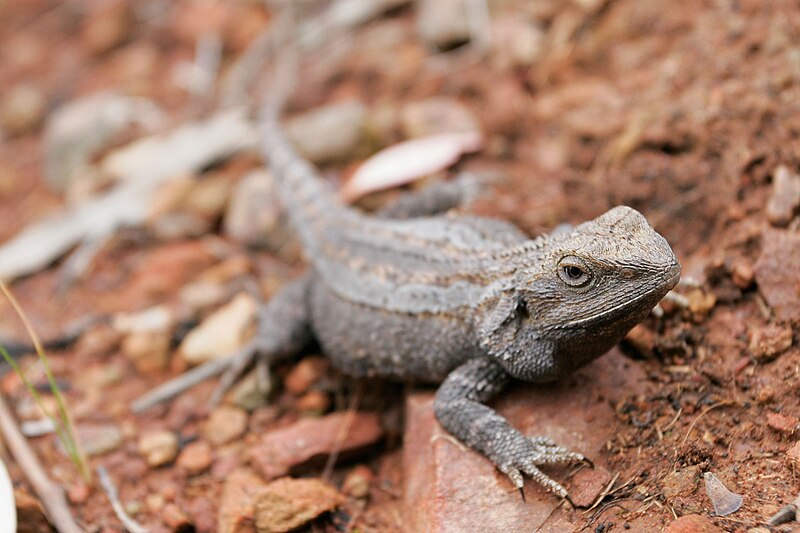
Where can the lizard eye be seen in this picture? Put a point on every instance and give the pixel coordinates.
(574, 272)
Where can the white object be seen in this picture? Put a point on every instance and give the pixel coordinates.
(409, 160)
(8, 509)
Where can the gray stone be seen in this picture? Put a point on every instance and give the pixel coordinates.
(333, 132)
(158, 447)
(784, 198)
(778, 272)
(255, 216)
(220, 333)
(443, 24)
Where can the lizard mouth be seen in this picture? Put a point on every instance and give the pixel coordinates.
(673, 282)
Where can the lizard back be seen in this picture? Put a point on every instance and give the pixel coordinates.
(428, 264)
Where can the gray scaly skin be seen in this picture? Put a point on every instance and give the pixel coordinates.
(469, 302)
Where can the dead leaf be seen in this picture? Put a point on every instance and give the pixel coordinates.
(140, 168)
(410, 160)
(724, 501)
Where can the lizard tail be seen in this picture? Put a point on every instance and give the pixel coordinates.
(308, 198)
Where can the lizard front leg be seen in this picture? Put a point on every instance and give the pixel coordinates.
(459, 407)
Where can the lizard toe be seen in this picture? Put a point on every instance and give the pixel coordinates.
(532, 471)
(550, 453)
(514, 475)
(239, 360)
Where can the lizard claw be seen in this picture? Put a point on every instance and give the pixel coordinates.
(522, 493)
(535, 451)
(572, 503)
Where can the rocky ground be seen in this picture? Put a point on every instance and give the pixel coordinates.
(687, 111)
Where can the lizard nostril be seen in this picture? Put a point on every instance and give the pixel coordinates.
(627, 273)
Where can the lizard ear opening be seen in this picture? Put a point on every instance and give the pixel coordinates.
(507, 308)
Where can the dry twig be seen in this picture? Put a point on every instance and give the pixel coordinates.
(701, 415)
(51, 495)
(111, 491)
(355, 401)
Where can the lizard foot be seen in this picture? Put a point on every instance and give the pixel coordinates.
(237, 363)
(525, 458)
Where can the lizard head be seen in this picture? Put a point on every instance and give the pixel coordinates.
(576, 295)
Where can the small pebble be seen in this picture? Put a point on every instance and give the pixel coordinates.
(682, 482)
(132, 508)
(742, 273)
(305, 374)
(22, 109)
(78, 493)
(169, 491)
(220, 333)
(148, 350)
(314, 402)
(154, 502)
(768, 342)
(785, 197)
(286, 504)
(225, 424)
(692, 523)
(174, 516)
(207, 197)
(358, 481)
(587, 485)
(783, 423)
(158, 447)
(255, 216)
(248, 393)
(278, 450)
(701, 303)
(132, 470)
(765, 394)
(443, 24)
(334, 132)
(156, 318)
(99, 439)
(776, 272)
(641, 339)
(195, 458)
